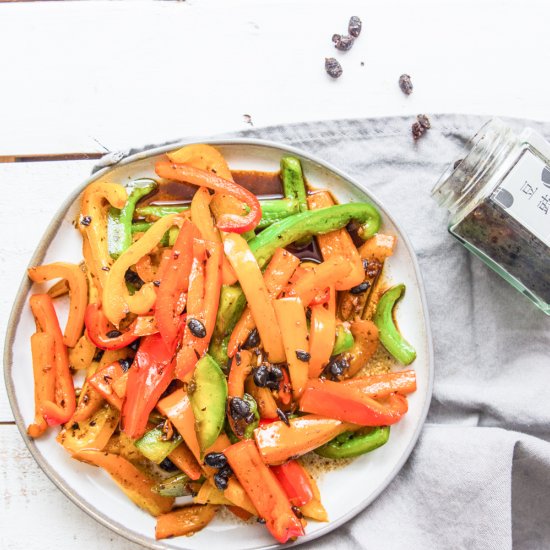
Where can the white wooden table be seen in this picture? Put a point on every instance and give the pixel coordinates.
(95, 76)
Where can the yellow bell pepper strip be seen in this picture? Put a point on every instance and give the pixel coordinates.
(89, 400)
(314, 509)
(82, 355)
(278, 442)
(78, 292)
(135, 484)
(276, 276)
(186, 520)
(264, 491)
(93, 223)
(43, 367)
(365, 335)
(349, 404)
(117, 301)
(150, 374)
(338, 244)
(318, 278)
(295, 482)
(291, 318)
(227, 222)
(322, 334)
(202, 305)
(183, 458)
(264, 399)
(91, 434)
(202, 218)
(58, 411)
(240, 369)
(106, 337)
(171, 297)
(259, 301)
(102, 381)
(209, 494)
(204, 157)
(120, 385)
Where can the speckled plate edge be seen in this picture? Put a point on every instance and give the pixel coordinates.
(39, 254)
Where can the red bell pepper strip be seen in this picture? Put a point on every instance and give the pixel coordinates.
(150, 374)
(174, 283)
(103, 381)
(231, 223)
(98, 329)
(350, 404)
(202, 303)
(62, 409)
(295, 482)
(264, 491)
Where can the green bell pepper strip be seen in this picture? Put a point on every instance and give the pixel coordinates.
(119, 222)
(280, 235)
(175, 486)
(152, 446)
(344, 340)
(388, 333)
(294, 186)
(160, 211)
(352, 444)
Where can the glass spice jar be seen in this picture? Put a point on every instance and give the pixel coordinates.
(498, 197)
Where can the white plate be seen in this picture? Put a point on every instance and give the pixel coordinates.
(345, 492)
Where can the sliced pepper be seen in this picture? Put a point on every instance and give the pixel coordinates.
(350, 404)
(259, 301)
(183, 458)
(102, 381)
(202, 305)
(355, 443)
(276, 276)
(344, 339)
(150, 374)
(365, 343)
(382, 385)
(117, 301)
(389, 334)
(295, 482)
(264, 491)
(278, 442)
(202, 156)
(322, 334)
(58, 411)
(154, 447)
(175, 486)
(226, 222)
(186, 520)
(241, 367)
(82, 355)
(89, 400)
(292, 321)
(264, 399)
(293, 181)
(43, 367)
(119, 221)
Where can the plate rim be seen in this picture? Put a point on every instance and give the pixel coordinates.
(25, 285)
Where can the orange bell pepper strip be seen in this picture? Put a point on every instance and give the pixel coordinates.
(96, 199)
(267, 406)
(365, 334)
(380, 247)
(117, 301)
(102, 381)
(82, 355)
(276, 276)
(382, 385)
(250, 277)
(350, 404)
(295, 482)
(240, 369)
(135, 484)
(58, 411)
(203, 156)
(264, 491)
(202, 218)
(227, 222)
(322, 334)
(314, 509)
(338, 244)
(291, 317)
(43, 367)
(184, 459)
(78, 290)
(186, 520)
(89, 400)
(318, 278)
(240, 513)
(120, 385)
(203, 298)
(175, 283)
(278, 442)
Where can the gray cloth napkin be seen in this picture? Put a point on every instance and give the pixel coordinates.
(479, 476)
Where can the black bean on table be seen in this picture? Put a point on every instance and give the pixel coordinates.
(343, 43)
(354, 26)
(333, 68)
(405, 84)
(424, 121)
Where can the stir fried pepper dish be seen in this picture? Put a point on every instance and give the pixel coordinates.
(213, 351)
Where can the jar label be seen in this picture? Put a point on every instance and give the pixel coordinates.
(525, 194)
